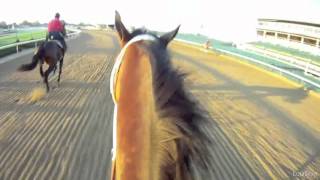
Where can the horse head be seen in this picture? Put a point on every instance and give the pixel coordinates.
(157, 128)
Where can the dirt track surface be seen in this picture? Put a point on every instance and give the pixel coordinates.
(66, 135)
(266, 127)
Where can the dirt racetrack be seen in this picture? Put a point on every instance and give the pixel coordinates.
(266, 126)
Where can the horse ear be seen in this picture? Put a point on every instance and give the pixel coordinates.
(167, 37)
(121, 29)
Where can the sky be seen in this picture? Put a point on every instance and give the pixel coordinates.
(223, 19)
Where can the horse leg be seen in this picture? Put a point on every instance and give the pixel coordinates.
(60, 70)
(46, 74)
(41, 70)
(54, 70)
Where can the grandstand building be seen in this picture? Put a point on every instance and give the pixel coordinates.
(301, 35)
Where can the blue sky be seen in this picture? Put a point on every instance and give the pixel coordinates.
(225, 19)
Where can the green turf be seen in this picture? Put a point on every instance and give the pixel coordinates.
(22, 36)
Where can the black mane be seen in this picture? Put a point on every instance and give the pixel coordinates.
(174, 103)
(141, 31)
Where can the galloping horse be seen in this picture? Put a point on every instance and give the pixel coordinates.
(51, 52)
(158, 131)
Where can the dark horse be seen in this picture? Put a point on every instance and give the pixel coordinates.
(51, 52)
(159, 132)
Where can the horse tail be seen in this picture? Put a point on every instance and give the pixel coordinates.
(30, 66)
(35, 59)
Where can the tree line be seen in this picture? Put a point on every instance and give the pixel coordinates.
(5, 25)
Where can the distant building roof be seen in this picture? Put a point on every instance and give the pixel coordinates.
(292, 22)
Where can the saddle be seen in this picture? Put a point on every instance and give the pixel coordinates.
(56, 38)
(58, 42)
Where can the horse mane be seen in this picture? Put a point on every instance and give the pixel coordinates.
(183, 142)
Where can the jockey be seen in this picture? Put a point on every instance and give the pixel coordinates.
(56, 30)
(207, 44)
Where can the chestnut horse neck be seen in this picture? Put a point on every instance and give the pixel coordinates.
(159, 131)
(117, 64)
(130, 123)
(113, 79)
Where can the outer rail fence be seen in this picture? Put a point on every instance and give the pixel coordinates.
(308, 66)
(36, 41)
(280, 70)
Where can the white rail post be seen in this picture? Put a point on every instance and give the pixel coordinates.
(307, 67)
(17, 41)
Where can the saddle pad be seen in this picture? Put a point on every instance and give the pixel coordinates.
(59, 43)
